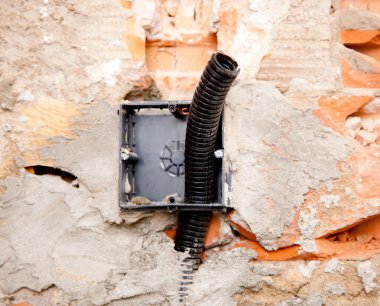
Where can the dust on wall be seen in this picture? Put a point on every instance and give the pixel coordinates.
(303, 171)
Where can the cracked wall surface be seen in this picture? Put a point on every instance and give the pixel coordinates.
(302, 136)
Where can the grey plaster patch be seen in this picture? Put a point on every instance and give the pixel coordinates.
(336, 289)
(162, 276)
(329, 185)
(333, 265)
(62, 239)
(291, 302)
(329, 200)
(41, 74)
(6, 251)
(269, 269)
(307, 246)
(347, 191)
(367, 275)
(360, 61)
(357, 19)
(315, 300)
(89, 269)
(308, 221)
(93, 157)
(32, 230)
(307, 268)
(236, 271)
(280, 153)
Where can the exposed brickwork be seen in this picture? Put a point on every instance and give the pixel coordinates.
(365, 43)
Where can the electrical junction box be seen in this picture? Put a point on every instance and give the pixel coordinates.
(152, 160)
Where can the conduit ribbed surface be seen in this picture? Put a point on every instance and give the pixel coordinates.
(200, 172)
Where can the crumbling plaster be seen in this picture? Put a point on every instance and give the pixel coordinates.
(65, 66)
(286, 152)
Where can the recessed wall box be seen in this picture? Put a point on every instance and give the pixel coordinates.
(152, 160)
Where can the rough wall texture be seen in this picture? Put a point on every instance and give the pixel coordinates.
(302, 127)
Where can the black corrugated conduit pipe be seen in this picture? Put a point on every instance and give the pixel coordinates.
(200, 170)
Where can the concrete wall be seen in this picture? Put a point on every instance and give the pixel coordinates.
(302, 125)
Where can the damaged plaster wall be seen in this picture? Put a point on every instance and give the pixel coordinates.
(287, 153)
(302, 184)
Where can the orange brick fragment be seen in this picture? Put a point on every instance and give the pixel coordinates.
(213, 232)
(346, 250)
(367, 173)
(238, 224)
(170, 232)
(333, 111)
(134, 41)
(358, 79)
(219, 232)
(126, 4)
(228, 24)
(359, 36)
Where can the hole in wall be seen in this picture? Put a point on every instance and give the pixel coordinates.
(363, 49)
(364, 232)
(371, 47)
(146, 89)
(45, 170)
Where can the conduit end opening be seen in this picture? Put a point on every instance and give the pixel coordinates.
(226, 62)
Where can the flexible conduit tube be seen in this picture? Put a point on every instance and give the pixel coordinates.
(200, 173)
